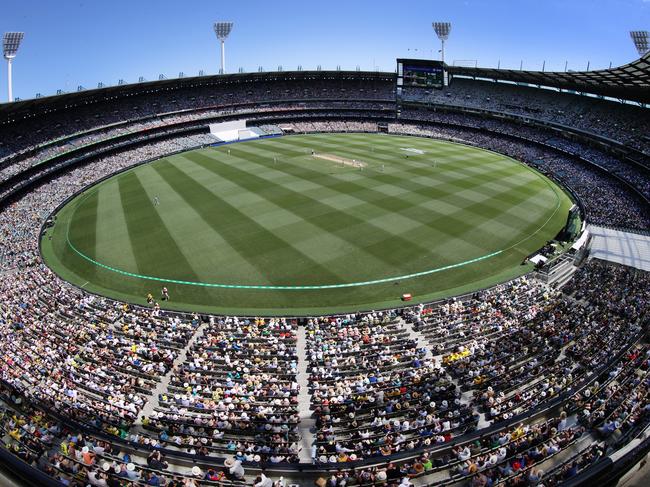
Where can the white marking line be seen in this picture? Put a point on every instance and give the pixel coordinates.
(414, 151)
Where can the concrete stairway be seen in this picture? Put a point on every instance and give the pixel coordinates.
(162, 386)
(561, 272)
(307, 422)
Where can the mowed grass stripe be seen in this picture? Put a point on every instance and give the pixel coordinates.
(374, 141)
(251, 239)
(112, 230)
(393, 150)
(389, 156)
(327, 218)
(462, 227)
(396, 182)
(198, 237)
(388, 152)
(536, 208)
(392, 214)
(457, 226)
(308, 182)
(504, 189)
(322, 247)
(444, 154)
(146, 227)
(442, 177)
(323, 185)
(83, 230)
(312, 211)
(532, 207)
(450, 190)
(464, 224)
(394, 166)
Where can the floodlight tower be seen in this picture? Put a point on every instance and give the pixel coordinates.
(640, 39)
(10, 43)
(222, 29)
(442, 30)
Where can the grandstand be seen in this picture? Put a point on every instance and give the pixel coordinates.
(535, 377)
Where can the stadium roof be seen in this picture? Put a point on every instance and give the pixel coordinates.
(628, 82)
(27, 108)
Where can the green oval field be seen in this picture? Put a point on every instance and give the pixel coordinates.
(307, 224)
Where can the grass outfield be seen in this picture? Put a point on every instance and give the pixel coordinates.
(264, 227)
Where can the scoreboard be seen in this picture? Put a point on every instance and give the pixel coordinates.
(416, 79)
(420, 73)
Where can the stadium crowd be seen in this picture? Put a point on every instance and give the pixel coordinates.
(102, 393)
(235, 392)
(376, 392)
(626, 123)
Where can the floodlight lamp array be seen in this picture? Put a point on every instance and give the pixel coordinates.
(10, 43)
(442, 29)
(222, 29)
(640, 39)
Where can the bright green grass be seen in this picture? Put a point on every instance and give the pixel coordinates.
(262, 227)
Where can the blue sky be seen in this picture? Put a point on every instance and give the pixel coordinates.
(71, 43)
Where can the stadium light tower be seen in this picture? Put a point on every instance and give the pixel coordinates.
(10, 43)
(442, 30)
(640, 39)
(222, 29)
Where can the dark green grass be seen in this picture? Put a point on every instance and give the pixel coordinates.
(267, 213)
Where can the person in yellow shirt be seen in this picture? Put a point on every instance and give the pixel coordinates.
(518, 432)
